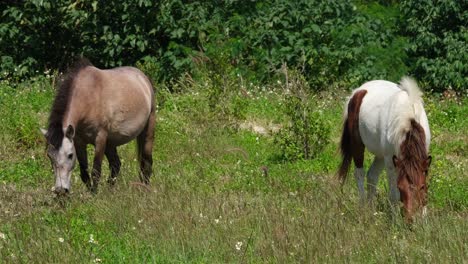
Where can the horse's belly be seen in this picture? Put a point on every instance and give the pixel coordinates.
(118, 139)
(371, 137)
(122, 130)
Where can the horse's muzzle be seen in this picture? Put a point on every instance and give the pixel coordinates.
(61, 191)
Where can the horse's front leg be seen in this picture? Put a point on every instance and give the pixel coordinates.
(394, 193)
(100, 147)
(82, 157)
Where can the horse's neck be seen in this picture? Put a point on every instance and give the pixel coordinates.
(71, 116)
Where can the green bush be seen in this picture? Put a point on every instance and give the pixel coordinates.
(254, 38)
(333, 42)
(308, 132)
(20, 108)
(438, 35)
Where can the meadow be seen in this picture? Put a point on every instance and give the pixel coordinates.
(221, 190)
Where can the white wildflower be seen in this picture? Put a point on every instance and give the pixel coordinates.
(2, 236)
(91, 239)
(61, 240)
(239, 245)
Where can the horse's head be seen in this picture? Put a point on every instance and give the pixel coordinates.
(412, 184)
(61, 152)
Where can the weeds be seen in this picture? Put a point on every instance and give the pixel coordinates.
(307, 133)
(219, 195)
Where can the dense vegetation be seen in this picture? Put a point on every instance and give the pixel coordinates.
(331, 42)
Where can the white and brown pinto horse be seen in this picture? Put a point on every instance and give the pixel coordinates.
(389, 120)
(105, 108)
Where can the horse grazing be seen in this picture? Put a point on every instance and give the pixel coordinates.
(389, 120)
(105, 108)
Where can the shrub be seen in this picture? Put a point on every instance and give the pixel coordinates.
(331, 42)
(308, 132)
(438, 35)
(21, 111)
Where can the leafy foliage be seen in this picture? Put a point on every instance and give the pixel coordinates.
(340, 43)
(308, 131)
(439, 36)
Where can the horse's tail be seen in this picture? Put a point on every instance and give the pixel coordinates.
(145, 142)
(149, 128)
(345, 148)
(350, 137)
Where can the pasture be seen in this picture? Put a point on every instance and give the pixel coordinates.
(220, 192)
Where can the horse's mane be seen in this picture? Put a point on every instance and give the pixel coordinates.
(413, 149)
(408, 135)
(410, 86)
(410, 106)
(59, 107)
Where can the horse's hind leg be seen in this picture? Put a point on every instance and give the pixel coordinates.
(359, 174)
(82, 157)
(373, 177)
(114, 164)
(145, 149)
(353, 144)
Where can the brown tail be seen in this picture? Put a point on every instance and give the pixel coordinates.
(346, 154)
(351, 145)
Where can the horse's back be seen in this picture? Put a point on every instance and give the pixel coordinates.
(384, 109)
(372, 113)
(128, 87)
(122, 100)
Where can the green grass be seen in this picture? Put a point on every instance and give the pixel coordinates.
(210, 193)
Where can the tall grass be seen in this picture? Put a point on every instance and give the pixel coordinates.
(219, 194)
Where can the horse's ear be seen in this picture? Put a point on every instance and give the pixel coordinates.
(395, 160)
(44, 132)
(70, 133)
(429, 160)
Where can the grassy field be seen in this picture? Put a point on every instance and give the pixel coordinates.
(219, 193)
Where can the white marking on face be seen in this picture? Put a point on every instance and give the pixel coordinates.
(63, 162)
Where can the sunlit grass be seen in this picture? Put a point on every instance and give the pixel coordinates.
(218, 194)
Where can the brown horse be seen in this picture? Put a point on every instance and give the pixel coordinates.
(105, 108)
(389, 120)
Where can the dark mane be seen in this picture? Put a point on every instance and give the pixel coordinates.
(64, 90)
(413, 151)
